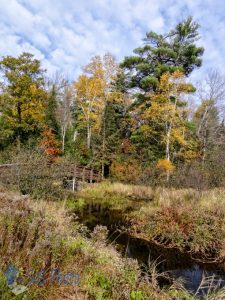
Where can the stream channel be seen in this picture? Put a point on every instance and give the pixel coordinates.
(177, 264)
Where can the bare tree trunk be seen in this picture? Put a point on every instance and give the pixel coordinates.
(204, 148)
(168, 134)
(88, 136)
(63, 138)
(74, 177)
(75, 135)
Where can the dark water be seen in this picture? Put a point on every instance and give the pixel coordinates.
(178, 265)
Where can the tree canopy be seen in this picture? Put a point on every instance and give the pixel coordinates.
(133, 119)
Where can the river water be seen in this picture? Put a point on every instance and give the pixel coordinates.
(177, 265)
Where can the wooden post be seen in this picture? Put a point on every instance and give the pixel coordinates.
(91, 176)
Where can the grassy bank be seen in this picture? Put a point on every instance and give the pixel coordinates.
(42, 235)
(189, 220)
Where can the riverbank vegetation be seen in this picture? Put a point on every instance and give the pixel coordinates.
(186, 219)
(43, 235)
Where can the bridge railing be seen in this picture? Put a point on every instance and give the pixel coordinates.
(60, 171)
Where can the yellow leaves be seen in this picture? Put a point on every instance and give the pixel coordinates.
(164, 85)
(174, 84)
(177, 135)
(145, 129)
(164, 118)
(164, 166)
(33, 89)
(88, 87)
(164, 103)
(32, 109)
(189, 154)
(93, 90)
(116, 97)
(89, 95)
(104, 68)
(159, 112)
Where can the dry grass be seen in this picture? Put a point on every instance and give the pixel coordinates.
(133, 191)
(105, 274)
(181, 218)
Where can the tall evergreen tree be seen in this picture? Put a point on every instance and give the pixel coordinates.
(162, 53)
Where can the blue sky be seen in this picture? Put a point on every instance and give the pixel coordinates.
(64, 34)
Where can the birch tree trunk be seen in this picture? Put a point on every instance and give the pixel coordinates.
(168, 135)
(88, 136)
(63, 138)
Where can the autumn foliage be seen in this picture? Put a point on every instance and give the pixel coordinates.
(164, 166)
(50, 145)
(125, 171)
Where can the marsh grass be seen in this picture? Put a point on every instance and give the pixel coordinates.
(187, 219)
(44, 233)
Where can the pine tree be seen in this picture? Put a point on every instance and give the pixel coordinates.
(169, 52)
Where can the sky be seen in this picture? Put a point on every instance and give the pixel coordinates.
(65, 34)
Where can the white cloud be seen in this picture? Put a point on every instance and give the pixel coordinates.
(65, 34)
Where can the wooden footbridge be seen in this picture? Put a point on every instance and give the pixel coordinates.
(84, 174)
(71, 175)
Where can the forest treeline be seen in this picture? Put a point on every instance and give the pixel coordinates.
(140, 120)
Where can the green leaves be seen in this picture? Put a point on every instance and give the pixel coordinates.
(148, 81)
(136, 295)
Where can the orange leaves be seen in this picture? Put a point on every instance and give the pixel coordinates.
(127, 146)
(50, 145)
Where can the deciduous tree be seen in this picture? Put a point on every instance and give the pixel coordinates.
(163, 119)
(23, 98)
